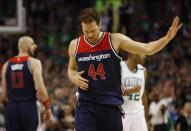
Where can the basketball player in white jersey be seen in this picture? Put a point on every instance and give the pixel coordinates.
(133, 82)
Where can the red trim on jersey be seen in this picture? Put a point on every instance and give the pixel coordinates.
(85, 47)
(97, 41)
(19, 59)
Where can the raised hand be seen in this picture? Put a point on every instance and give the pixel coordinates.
(173, 28)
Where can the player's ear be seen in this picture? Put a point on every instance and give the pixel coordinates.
(23, 47)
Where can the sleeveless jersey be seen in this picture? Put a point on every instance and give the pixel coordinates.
(102, 68)
(132, 102)
(19, 80)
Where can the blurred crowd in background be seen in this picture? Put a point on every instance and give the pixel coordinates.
(53, 23)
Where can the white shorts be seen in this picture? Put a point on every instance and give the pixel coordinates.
(134, 122)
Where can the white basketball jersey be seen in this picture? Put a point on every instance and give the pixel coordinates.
(132, 102)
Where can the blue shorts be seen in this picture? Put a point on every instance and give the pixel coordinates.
(97, 117)
(21, 116)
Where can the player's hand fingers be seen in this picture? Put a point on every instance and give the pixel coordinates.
(83, 85)
(81, 82)
(81, 72)
(44, 118)
(83, 79)
(79, 78)
(137, 85)
(180, 26)
(83, 88)
(137, 88)
(46, 115)
(175, 22)
(175, 25)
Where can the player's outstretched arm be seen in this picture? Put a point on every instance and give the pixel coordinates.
(40, 87)
(134, 47)
(73, 75)
(4, 88)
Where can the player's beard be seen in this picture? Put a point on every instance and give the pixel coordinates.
(31, 53)
(93, 40)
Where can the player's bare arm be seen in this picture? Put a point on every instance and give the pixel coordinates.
(134, 89)
(73, 75)
(145, 103)
(145, 99)
(122, 42)
(37, 75)
(40, 87)
(4, 88)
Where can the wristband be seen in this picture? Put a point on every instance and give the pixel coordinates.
(46, 104)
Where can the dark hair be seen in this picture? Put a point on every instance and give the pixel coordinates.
(88, 15)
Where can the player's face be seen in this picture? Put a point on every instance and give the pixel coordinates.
(32, 48)
(139, 59)
(91, 31)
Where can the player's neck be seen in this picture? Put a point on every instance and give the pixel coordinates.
(23, 54)
(132, 66)
(99, 36)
